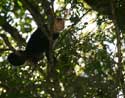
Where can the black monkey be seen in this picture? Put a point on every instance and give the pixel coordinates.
(37, 44)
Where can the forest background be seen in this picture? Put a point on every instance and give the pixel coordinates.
(90, 51)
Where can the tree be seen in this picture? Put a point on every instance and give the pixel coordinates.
(89, 52)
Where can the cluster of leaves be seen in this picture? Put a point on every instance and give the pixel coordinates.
(110, 8)
(86, 63)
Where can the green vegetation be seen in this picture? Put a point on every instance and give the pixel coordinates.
(90, 50)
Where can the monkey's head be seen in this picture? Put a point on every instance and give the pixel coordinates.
(16, 58)
(58, 24)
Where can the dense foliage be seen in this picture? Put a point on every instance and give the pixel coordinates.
(89, 52)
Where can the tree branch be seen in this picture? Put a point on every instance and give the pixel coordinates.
(4, 49)
(120, 76)
(4, 37)
(39, 19)
(13, 32)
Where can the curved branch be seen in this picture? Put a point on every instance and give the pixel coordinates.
(14, 33)
(4, 37)
(39, 19)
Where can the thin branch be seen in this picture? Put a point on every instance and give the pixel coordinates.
(13, 32)
(4, 49)
(119, 45)
(39, 19)
(5, 38)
